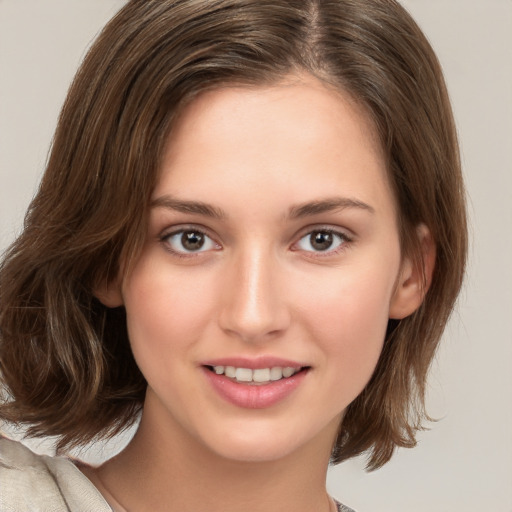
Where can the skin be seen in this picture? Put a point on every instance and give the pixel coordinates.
(260, 158)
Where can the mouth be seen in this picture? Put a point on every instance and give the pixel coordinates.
(256, 376)
(255, 384)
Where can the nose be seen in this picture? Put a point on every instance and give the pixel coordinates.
(254, 307)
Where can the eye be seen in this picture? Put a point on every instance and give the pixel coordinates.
(321, 240)
(189, 241)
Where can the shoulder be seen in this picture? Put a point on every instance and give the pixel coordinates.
(38, 482)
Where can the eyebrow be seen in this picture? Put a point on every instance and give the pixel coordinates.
(295, 212)
(327, 205)
(194, 207)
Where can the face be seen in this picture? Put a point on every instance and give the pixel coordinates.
(258, 307)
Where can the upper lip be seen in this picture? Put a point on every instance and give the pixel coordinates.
(254, 363)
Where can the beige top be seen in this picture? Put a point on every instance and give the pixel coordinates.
(39, 483)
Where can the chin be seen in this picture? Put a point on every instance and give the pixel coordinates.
(268, 443)
(251, 452)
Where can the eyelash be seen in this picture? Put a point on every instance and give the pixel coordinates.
(342, 237)
(164, 239)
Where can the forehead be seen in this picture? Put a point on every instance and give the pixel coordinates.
(296, 131)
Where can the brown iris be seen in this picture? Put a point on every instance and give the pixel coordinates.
(192, 240)
(321, 240)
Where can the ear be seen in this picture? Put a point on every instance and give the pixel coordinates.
(415, 277)
(109, 294)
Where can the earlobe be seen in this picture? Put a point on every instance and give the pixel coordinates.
(415, 277)
(109, 294)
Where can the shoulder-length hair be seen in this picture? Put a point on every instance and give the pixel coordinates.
(66, 364)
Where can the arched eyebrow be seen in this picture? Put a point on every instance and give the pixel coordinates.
(184, 206)
(327, 205)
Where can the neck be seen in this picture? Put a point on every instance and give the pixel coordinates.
(158, 471)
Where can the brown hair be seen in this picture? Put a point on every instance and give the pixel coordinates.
(66, 364)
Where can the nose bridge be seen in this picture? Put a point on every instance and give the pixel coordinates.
(254, 305)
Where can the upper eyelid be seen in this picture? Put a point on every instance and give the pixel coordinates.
(345, 232)
(180, 228)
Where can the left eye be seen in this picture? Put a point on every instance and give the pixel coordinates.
(321, 240)
(189, 241)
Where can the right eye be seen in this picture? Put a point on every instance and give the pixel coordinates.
(189, 241)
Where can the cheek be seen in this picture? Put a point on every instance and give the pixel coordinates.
(166, 312)
(348, 317)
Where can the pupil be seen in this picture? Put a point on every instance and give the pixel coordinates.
(192, 240)
(321, 240)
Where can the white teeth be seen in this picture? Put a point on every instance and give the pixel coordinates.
(276, 373)
(288, 372)
(243, 375)
(230, 371)
(259, 375)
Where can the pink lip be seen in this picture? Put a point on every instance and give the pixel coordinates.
(254, 396)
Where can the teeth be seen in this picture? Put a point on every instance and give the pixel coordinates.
(243, 375)
(230, 371)
(276, 373)
(260, 375)
(288, 372)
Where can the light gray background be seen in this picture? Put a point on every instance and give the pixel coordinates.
(464, 463)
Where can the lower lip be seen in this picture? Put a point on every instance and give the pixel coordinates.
(254, 396)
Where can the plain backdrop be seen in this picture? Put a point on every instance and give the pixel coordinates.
(464, 462)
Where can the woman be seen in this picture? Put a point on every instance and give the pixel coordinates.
(250, 233)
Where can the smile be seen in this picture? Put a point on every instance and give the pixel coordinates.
(254, 383)
(257, 375)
